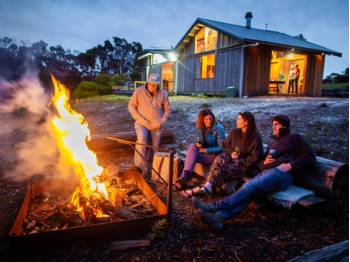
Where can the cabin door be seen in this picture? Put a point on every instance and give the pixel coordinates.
(168, 77)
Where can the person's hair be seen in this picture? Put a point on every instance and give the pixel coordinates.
(251, 126)
(285, 122)
(201, 115)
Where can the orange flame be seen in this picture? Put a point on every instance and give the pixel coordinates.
(71, 133)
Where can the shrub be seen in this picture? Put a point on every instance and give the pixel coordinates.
(119, 79)
(104, 80)
(87, 88)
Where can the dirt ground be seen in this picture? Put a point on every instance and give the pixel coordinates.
(262, 233)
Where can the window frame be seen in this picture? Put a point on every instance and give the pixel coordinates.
(205, 39)
(199, 66)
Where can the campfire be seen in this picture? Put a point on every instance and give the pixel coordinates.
(71, 133)
(102, 195)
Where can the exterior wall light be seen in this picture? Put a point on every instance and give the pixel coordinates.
(172, 56)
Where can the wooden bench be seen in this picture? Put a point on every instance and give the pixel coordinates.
(308, 201)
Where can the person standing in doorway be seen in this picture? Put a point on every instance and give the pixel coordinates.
(296, 77)
(150, 108)
(291, 80)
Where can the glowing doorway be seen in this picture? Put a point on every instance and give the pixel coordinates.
(287, 73)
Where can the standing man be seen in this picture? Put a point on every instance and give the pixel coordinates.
(289, 156)
(296, 78)
(291, 80)
(150, 108)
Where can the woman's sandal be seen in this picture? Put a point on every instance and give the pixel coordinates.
(179, 185)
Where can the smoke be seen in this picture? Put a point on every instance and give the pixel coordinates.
(27, 145)
(27, 93)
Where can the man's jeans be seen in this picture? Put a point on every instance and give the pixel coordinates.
(268, 181)
(146, 137)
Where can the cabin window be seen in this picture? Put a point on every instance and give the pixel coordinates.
(207, 66)
(206, 40)
(200, 46)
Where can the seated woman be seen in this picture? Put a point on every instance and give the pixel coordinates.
(243, 152)
(289, 156)
(209, 138)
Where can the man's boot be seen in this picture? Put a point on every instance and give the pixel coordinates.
(216, 220)
(207, 207)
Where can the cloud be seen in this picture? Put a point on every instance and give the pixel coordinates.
(83, 24)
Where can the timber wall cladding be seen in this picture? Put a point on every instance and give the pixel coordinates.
(185, 75)
(225, 40)
(227, 69)
(314, 75)
(257, 71)
(185, 70)
(188, 49)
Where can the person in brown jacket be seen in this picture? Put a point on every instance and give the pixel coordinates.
(150, 108)
(243, 150)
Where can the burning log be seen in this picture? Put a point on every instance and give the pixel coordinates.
(100, 142)
(45, 214)
(124, 213)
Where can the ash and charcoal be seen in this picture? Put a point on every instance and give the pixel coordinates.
(53, 210)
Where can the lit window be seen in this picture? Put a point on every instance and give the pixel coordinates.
(206, 39)
(207, 66)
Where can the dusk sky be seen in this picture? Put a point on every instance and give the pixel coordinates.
(82, 24)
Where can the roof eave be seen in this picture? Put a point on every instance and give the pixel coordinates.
(207, 23)
(204, 22)
(327, 52)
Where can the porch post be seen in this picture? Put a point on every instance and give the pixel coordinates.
(241, 73)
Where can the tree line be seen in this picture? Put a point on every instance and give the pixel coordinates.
(116, 57)
(335, 78)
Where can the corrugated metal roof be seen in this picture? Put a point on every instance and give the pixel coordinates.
(262, 36)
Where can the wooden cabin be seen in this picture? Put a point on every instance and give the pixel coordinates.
(160, 61)
(214, 57)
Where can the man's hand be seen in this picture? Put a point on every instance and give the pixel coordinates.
(285, 167)
(202, 150)
(234, 156)
(269, 160)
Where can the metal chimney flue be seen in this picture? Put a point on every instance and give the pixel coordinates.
(248, 17)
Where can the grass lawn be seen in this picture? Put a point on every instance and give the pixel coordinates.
(331, 86)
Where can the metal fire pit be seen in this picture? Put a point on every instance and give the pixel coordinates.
(122, 230)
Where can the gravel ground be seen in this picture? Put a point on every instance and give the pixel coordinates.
(261, 233)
